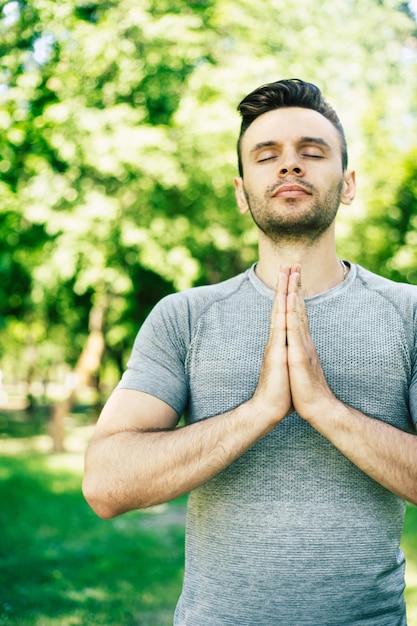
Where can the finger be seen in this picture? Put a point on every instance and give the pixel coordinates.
(279, 306)
(297, 319)
(294, 279)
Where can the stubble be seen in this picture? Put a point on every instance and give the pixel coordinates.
(294, 220)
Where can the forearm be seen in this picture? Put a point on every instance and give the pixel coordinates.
(136, 469)
(385, 453)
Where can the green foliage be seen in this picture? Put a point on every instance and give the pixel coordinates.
(118, 126)
(60, 564)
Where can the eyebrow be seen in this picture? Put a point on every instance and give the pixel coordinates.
(316, 140)
(263, 144)
(302, 140)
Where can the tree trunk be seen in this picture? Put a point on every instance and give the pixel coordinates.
(87, 366)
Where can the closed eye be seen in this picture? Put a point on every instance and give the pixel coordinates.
(304, 155)
(267, 154)
(269, 158)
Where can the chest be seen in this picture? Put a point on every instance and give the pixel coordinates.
(365, 359)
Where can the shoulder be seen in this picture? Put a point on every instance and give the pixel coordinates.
(196, 300)
(178, 313)
(401, 296)
(175, 319)
(378, 283)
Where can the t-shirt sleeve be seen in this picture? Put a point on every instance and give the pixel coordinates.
(413, 384)
(413, 401)
(157, 362)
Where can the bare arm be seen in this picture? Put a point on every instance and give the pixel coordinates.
(136, 468)
(382, 451)
(138, 458)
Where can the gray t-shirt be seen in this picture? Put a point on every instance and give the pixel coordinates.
(292, 533)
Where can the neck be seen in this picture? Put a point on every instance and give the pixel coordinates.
(320, 268)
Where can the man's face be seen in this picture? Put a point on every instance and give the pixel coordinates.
(293, 180)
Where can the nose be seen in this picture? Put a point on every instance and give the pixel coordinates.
(290, 164)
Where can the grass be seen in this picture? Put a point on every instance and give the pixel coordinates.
(409, 545)
(61, 565)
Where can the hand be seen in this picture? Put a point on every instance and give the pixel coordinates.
(309, 388)
(274, 387)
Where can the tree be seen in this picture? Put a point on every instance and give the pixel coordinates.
(117, 149)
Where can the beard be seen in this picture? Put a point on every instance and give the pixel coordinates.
(296, 222)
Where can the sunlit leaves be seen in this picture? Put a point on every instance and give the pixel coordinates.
(118, 127)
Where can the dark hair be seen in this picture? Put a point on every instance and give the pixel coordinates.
(286, 93)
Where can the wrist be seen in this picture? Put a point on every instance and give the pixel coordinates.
(268, 413)
(322, 414)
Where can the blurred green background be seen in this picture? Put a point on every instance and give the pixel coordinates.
(62, 566)
(118, 127)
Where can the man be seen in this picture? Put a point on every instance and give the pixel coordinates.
(298, 379)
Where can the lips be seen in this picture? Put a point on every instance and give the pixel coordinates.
(291, 191)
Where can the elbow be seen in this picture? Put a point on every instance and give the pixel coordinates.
(101, 503)
(106, 504)
(413, 499)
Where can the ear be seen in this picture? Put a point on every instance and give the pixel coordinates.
(349, 187)
(242, 203)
